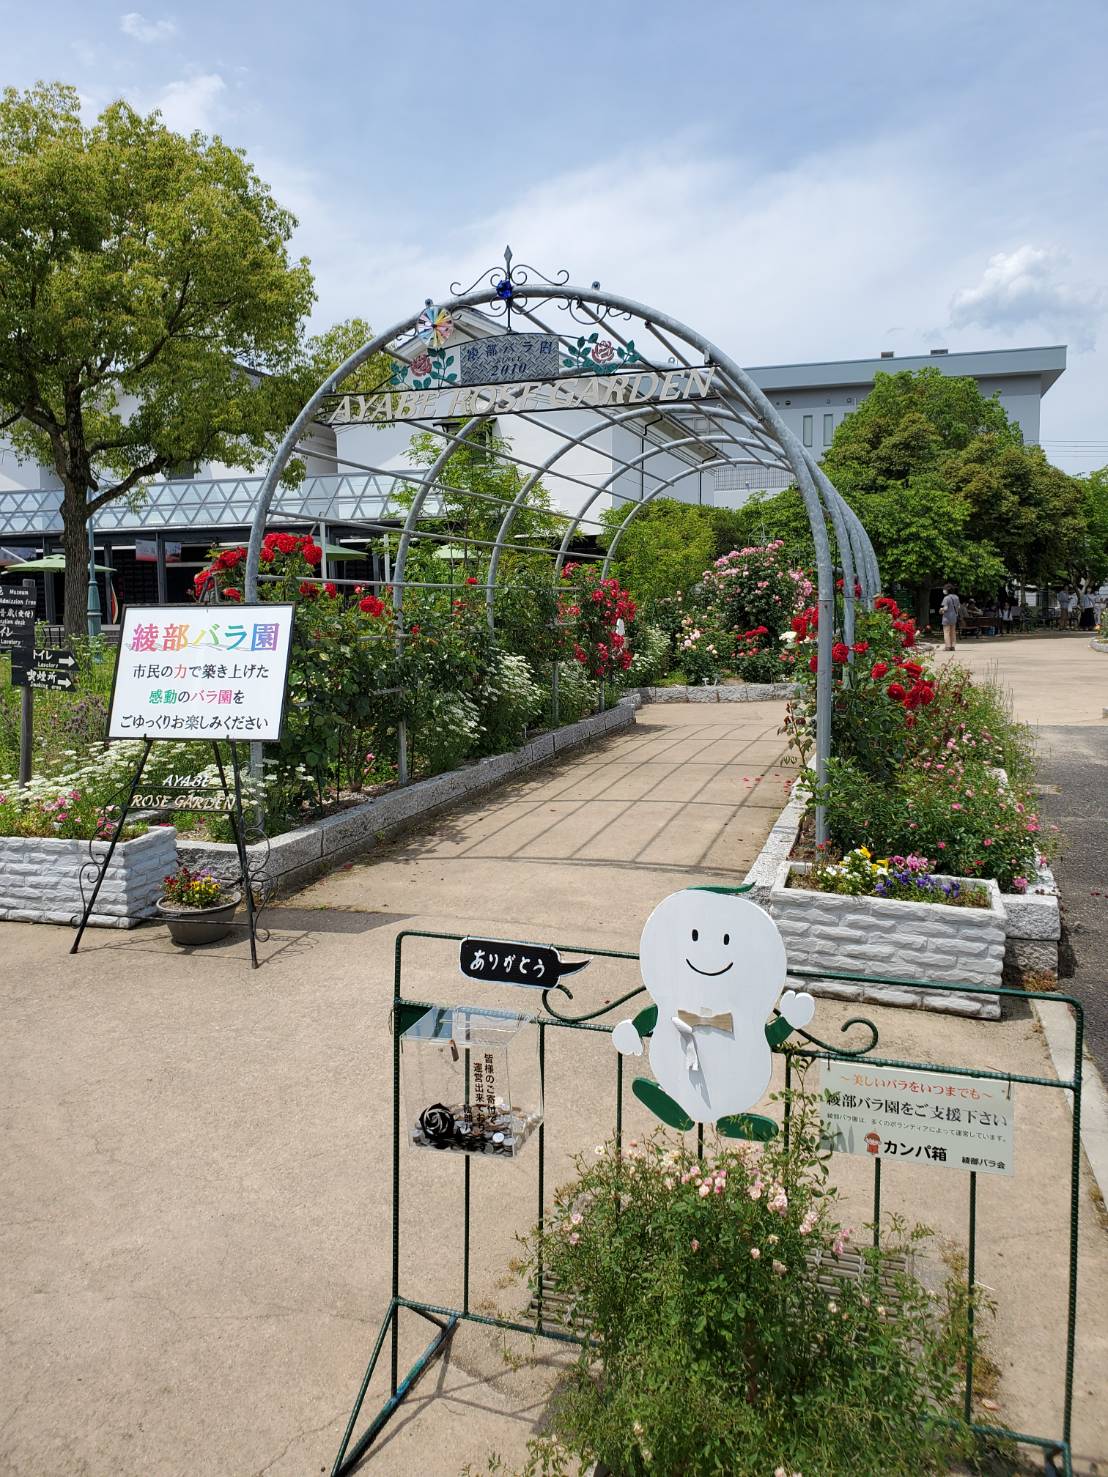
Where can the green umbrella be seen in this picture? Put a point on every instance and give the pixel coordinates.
(52, 564)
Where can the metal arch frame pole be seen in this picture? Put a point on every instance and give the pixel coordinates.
(706, 408)
(646, 456)
(741, 384)
(568, 444)
(825, 577)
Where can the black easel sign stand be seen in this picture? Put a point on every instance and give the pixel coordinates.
(233, 808)
(199, 675)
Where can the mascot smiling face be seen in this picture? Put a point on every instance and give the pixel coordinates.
(714, 964)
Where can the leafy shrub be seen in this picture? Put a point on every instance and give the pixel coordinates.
(965, 818)
(755, 587)
(578, 694)
(593, 610)
(716, 1350)
(652, 656)
(704, 651)
(758, 657)
(917, 755)
(511, 700)
(448, 730)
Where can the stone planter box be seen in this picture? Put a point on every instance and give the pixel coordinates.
(1033, 925)
(1034, 931)
(910, 941)
(40, 878)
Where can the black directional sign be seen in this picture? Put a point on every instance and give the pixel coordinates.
(17, 617)
(49, 666)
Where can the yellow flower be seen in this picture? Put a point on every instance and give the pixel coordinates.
(865, 851)
(882, 861)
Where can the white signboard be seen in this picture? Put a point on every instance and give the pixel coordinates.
(922, 1117)
(639, 386)
(201, 672)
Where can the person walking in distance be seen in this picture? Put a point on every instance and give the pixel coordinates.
(950, 609)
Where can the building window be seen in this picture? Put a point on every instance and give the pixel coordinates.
(181, 471)
(807, 430)
(828, 429)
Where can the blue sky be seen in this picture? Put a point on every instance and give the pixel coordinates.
(798, 182)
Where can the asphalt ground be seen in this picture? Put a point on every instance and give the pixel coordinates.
(1075, 761)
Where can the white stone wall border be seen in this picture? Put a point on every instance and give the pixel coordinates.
(1099, 645)
(911, 942)
(41, 878)
(734, 692)
(297, 857)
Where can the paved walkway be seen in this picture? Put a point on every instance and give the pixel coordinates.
(194, 1242)
(195, 1159)
(1055, 680)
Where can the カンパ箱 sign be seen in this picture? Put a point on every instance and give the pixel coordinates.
(210, 672)
(944, 1118)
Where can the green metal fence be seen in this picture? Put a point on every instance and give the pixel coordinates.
(445, 1319)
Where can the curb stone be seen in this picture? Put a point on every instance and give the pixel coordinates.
(1094, 1097)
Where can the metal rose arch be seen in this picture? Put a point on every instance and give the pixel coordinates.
(649, 368)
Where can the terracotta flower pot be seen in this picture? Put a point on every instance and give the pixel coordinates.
(191, 926)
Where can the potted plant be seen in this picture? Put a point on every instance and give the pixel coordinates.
(198, 907)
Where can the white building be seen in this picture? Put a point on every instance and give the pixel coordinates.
(814, 399)
(686, 450)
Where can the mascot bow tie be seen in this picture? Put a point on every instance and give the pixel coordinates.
(717, 1022)
(687, 1020)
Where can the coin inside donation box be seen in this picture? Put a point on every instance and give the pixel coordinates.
(471, 1080)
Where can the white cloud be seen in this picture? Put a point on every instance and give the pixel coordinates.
(191, 102)
(136, 26)
(810, 262)
(1027, 288)
(771, 267)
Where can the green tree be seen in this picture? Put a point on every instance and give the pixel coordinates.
(472, 492)
(922, 461)
(767, 517)
(149, 312)
(326, 351)
(920, 534)
(666, 547)
(1091, 558)
(909, 423)
(1032, 513)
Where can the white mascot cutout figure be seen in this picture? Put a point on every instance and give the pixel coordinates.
(714, 963)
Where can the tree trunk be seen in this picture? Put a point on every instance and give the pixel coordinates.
(922, 600)
(75, 546)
